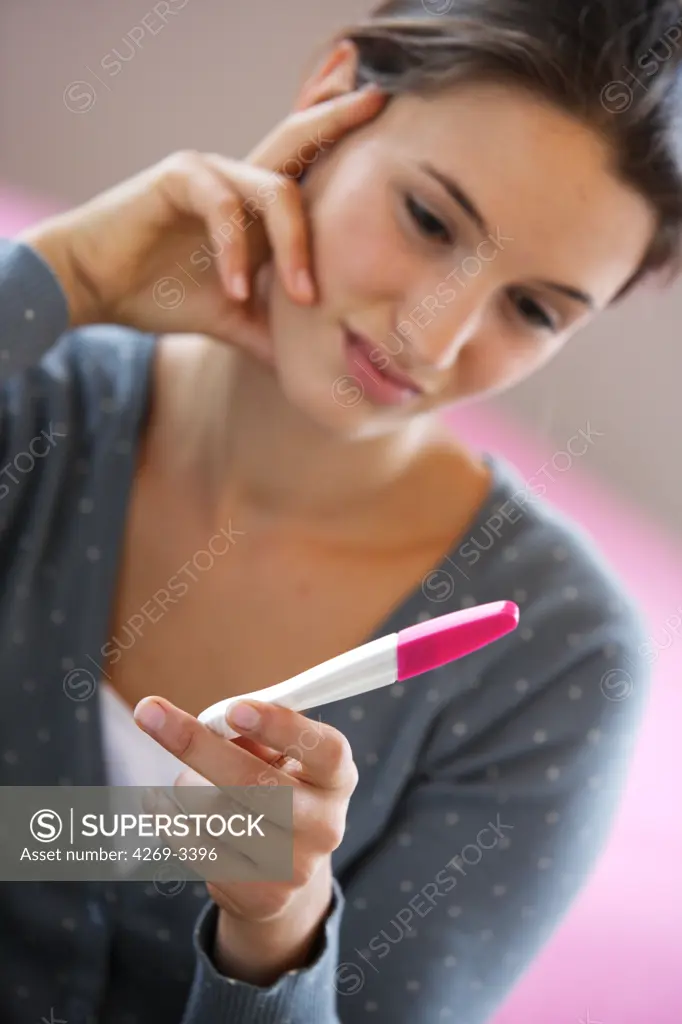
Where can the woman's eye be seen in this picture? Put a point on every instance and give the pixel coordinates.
(427, 223)
(534, 313)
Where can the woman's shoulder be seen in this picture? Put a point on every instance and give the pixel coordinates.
(89, 373)
(103, 362)
(522, 540)
(98, 384)
(67, 414)
(573, 669)
(575, 608)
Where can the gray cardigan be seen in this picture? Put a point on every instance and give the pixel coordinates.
(486, 788)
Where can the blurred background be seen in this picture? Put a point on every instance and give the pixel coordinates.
(91, 92)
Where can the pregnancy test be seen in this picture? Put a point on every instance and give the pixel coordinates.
(389, 659)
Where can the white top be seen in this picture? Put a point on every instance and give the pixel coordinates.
(132, 758)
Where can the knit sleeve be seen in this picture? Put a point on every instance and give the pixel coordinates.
(297, 997)
(33, 308)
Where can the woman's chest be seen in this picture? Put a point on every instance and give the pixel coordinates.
(205, 614)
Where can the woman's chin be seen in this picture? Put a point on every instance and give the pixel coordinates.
(316, 381)
(337, 405)
(315, 397)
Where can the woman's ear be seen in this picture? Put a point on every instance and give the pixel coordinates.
(334, 75)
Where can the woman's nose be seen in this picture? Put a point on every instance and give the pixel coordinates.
(443, 323)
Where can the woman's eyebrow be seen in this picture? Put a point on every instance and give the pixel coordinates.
(573, 293)
(467, 204)
(459, 195)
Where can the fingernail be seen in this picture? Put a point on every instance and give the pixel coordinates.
(240, 286)
(304, 285)
(151, 715)
(243, 716)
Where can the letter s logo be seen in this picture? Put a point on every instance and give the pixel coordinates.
(46, 826)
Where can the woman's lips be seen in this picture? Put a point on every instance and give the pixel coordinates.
(381, 386)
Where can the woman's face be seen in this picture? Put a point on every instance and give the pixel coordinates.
(464, 237)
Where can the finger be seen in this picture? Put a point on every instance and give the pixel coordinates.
(277, 818)
(304, 133)
(226, 228)
(268, 847)
(234, 199)
(287, 231)
(246, 325)
(223, 858)
(279, 203)
(210, 755)
(270, 757)
(324, 752)
(254, 798)
(193, 188)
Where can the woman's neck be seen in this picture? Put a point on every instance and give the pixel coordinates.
(253, 449)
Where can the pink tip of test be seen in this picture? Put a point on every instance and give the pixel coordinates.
(431, 644)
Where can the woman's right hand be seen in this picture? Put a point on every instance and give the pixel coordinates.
(141, 254)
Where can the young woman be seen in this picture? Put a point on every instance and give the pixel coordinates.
(245, 474)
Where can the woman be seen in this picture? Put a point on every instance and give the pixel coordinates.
(284, 332)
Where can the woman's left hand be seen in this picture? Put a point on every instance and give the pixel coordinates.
(267, 927)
